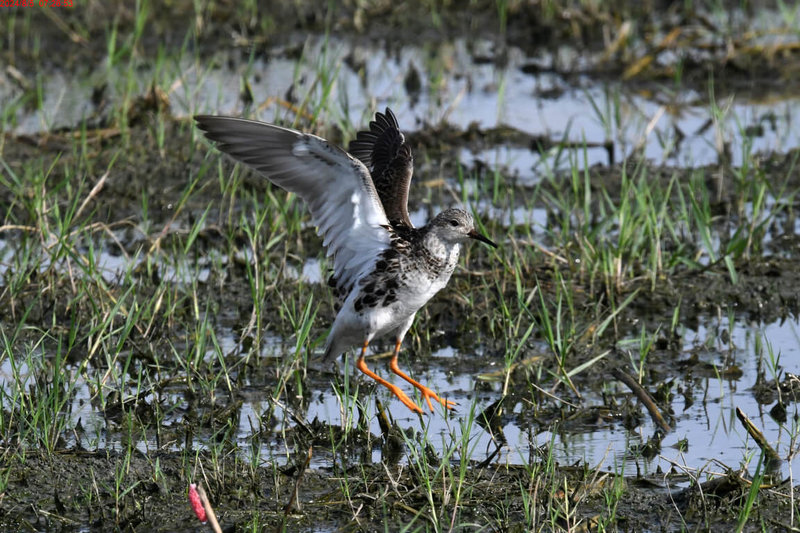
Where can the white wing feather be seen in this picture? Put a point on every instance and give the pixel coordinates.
(337, 187)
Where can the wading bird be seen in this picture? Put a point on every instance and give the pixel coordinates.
(384, 268)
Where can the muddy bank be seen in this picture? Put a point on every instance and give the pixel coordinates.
(111, 490)
(651, 41)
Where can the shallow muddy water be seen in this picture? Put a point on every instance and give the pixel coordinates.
(705, 427)
(468, 84)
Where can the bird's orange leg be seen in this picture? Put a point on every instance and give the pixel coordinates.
(426, 392)
(402, 396)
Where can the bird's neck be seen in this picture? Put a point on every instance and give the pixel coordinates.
(440, 251)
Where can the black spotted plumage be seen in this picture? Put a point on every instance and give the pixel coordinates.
(397, 267)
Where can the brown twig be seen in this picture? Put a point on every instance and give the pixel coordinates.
(772, 457)
(294, 501)
(94, 192)
(644, 397)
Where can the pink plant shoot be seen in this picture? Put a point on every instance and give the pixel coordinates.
(197, 504)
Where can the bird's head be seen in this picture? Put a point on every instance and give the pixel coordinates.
(457, 226)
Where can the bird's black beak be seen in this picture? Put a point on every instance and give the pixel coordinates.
(473, 234)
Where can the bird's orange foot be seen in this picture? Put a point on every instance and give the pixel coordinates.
(425, 391)
(428, 394)
(403, 397)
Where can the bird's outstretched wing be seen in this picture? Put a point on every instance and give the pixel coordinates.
(384, 151)
(338, 188)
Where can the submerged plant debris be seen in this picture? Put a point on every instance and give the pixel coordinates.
(626, 360)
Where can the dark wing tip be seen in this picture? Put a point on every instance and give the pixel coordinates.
(380, 145)
(213, 125)
(387, 119)
(201, 121)
(204, 122)
(383, 150)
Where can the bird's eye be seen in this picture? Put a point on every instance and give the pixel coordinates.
(454, 223)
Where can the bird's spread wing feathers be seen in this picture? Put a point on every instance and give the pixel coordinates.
(384, 151)
(338, 189)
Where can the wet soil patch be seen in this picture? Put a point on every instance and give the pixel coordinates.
(105, 489)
